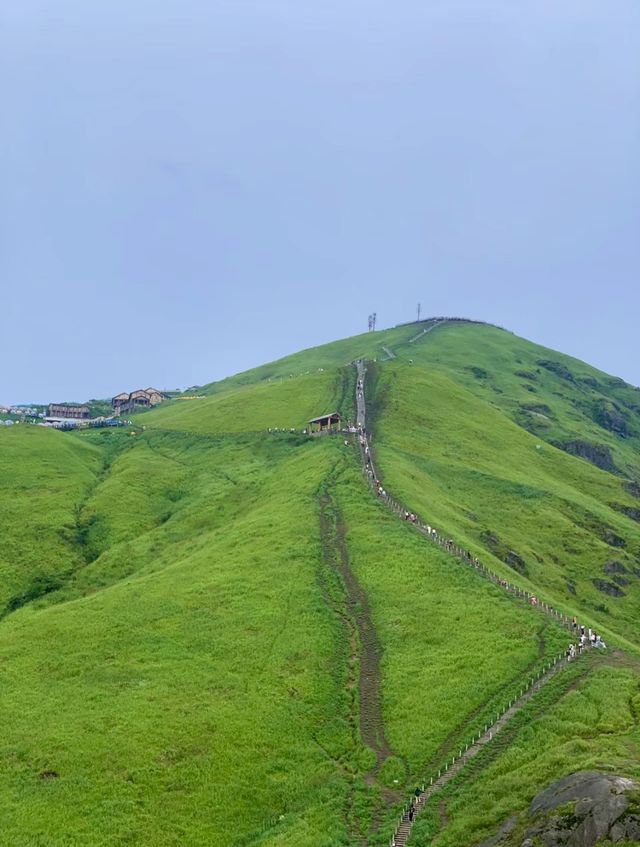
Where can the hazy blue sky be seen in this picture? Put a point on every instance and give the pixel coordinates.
(193, 187)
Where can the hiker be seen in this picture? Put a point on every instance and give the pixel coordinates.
(574, 623)
(411, 813)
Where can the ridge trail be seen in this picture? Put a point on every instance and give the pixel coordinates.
(425, 331)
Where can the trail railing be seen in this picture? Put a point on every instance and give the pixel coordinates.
(472, 747)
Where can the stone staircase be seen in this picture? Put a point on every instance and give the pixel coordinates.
(529, 687)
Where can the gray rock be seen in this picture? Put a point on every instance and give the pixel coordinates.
(506, 828)
(599, 811)
(609, 588)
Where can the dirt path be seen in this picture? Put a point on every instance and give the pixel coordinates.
(371, 720)
(353, 609)
(360, 650)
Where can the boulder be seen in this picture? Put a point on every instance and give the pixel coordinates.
(582, 809)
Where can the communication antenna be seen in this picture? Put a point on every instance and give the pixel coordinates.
(419, 308)
(370, 321)
(373, 321)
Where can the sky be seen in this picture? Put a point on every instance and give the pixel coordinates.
(194, 187)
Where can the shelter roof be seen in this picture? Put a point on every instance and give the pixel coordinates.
(325, 417)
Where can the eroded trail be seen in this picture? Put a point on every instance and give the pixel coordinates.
(354, 611)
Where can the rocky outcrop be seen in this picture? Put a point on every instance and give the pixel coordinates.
(479, 373)
(609, 588)
(502, 551)
(582, 809)
(516, 562)
(614, 567)
(611, 417)
(633, 488)
(612, 538)
(632, 512)
(598, 454)
(557, 368)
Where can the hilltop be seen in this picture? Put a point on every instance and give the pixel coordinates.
(214, 633)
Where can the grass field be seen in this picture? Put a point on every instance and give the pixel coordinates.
(186, 609)
(182, 702)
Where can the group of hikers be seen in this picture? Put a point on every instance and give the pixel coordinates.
(588, 638)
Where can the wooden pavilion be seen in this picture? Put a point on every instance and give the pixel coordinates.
(325, 424)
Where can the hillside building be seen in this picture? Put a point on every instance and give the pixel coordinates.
(69, 411)
(143, 398)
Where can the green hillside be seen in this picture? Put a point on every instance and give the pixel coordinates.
(215, 634)
(45, 478)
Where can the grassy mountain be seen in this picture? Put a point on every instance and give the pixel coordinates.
(215, 634)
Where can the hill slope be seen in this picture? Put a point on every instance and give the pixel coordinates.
(242, 646)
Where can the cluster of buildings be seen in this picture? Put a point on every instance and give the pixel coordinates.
(134, 401)
(20, 413)
(70, 415)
